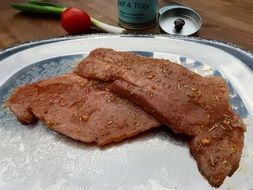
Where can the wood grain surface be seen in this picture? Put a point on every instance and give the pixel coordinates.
(224, 20)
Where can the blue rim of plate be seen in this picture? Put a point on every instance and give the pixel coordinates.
(242, 54)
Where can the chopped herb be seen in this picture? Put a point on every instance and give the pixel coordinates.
(109, 123)
(225, 161)
(212, 162)
(212, 128)
(221, 148)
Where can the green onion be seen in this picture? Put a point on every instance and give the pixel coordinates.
(35, 2)
(36, 8)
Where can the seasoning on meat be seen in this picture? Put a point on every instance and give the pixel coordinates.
(79, 109)
(188, 103)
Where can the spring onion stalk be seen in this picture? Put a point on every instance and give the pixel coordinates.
(106, 27)
(51, 8)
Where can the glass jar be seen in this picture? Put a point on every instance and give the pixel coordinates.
(137, 14)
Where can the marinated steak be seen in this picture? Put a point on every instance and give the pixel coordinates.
(81, 109)
(188, 103)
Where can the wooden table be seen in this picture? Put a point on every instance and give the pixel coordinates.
(224, 20)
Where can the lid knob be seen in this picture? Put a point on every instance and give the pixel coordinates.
(179, 23)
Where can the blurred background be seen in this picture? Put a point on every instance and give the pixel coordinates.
(224, 20)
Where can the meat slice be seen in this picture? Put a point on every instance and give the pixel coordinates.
(81, 109)
(188, 103)
(217, 153)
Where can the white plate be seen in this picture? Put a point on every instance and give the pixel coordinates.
(37, 158)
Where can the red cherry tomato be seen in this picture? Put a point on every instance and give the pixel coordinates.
(75, 21)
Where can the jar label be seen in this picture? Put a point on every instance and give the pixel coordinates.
(137, 11)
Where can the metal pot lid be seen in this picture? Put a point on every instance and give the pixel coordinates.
(179, 20)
